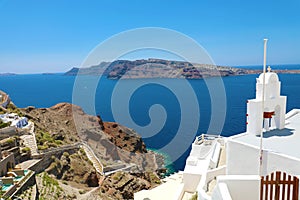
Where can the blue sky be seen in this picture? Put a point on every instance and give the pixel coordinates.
(53, 36)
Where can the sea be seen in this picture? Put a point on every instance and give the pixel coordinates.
(167, 113)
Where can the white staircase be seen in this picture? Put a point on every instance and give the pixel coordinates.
(29, 141)
(93, 158)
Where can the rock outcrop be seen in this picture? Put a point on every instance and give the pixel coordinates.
(124, 137)
(125, 185)
(4, 99)
(75, 167)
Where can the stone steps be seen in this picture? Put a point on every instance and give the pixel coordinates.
(91, 156)
(29, 141)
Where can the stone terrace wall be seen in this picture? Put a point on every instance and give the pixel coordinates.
(29, 182)
(46, 157)
(8, 132)
(8, 161)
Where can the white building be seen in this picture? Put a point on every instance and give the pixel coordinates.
(274, 105)
(228, 168)
(280, 142)
(14, 119)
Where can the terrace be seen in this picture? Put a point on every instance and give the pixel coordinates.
(14, 180)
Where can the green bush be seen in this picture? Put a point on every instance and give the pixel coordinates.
(49, 181)
(26, 150)
(42, 147)
(117, 176)
(154, 178)
(66, 154)
(10, 141)
(81, 191)
(13, 109)
(45, 140)
(3, 125)
(81, 150)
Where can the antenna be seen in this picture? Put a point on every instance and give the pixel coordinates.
(263, 106)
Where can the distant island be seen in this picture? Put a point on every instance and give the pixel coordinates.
(159, 68)
(7, 74)
(155, 68)
(48, 73)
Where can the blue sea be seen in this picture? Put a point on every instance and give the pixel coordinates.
(153, 103)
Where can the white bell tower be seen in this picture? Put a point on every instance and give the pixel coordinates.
(273, 114)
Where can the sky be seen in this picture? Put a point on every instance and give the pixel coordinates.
(56, 35)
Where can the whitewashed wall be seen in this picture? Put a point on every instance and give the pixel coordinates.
(237, 187)
(243, 159)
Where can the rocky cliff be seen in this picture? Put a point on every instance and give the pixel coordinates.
(159, 68)
(119, 185)
(124, 137)
(114, 145)
(110, 141)
(156, 68)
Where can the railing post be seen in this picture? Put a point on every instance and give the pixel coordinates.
(277, 185)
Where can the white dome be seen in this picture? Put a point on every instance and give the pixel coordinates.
(270, 77)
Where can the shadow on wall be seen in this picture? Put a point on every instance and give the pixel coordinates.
(278, 133)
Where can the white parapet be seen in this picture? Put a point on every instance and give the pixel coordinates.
(245, 187)
(221, 192)
(215, 156)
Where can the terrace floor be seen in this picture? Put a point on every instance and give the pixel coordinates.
(283, 141)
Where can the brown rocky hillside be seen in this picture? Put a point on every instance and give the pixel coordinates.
(73, 176)
(110, 142)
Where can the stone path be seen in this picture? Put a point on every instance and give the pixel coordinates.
(29, 141)
(128, 166)
(27, 164)
(93, 158)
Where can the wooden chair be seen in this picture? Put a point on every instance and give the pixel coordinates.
(279, 185)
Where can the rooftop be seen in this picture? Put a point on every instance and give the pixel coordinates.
(283, 141)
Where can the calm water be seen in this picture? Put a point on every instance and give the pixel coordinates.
(47, 90)
(259, 67)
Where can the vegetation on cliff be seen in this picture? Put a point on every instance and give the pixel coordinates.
(11, 108)
(45, 140)
(3, 124)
